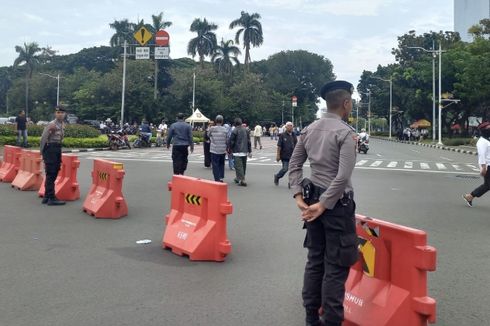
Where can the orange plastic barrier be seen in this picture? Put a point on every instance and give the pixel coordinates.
(105, 198)
(10, 164)
(66, 186)
(388, 285)
(196, 224)
(29, 175)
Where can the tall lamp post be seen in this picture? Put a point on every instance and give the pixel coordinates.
(369, 110)
(57, 88)
(434, 53)
(391, 98)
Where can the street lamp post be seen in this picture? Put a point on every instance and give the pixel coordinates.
(57, 88)
(391, 98)
(434, 53)
(369, 110)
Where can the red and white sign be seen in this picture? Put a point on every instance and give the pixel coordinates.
(294, 101)
(162, 38)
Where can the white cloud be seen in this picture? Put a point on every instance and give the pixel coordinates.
(34, 18)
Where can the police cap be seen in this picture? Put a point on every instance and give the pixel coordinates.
(338, 84)
(60, 108)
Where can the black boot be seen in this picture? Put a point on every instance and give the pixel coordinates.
(45, 200)
(55, 202)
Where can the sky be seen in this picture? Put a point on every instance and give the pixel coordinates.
(355, 35)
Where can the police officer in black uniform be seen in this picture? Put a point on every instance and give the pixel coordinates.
(51, 140)
(327, 204)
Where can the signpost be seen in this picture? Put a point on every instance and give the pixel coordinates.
(143, 35)
(294, 103)
(162, 38)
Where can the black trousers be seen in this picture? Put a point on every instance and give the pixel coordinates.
(218, 165)
(52, 164)
(332, 242)
(207, 154)
(179, 158)
(481, 190)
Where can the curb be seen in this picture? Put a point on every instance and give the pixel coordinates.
(451, 149)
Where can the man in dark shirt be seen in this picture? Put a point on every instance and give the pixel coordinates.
(20, 126)
(181, 133)
(285, 146)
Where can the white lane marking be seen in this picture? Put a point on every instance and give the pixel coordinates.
(393, 164)
(414, 150)
(424, 166)
(447, 159)
(376, 163)
(474, 168)
(408, 165)
(420, 171)
(441, 166)
(252, 159)
(456, 167)
(378, 155)
(361, 162)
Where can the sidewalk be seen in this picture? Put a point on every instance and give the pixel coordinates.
(459, 149)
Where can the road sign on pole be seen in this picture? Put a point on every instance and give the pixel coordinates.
(294, 101)
(162, 52)
(162, 38)
(142, 53)
(143, 35)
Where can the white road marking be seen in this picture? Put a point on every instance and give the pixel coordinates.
(474, 168)
(424, 166)
(457, 167)
(393, 164)
(361, 162)
(376, 163)
(408, 165)
(378, 155)
(414, 150)
(441, 166)
(447, 159)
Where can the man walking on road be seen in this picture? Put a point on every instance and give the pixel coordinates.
(285, 146)
(20, 126)
(181, 134)
(240, 146)
(327, 204)
(50, 147)
(483, 147)
(257, 136)
(217, 137)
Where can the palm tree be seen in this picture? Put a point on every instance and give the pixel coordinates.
(205, 41)
(29, 57)
(158, 24)
(124, 32)
(225, 56)
(251, 30)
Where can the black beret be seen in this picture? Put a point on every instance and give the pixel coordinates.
(338, 84)
(59, 108)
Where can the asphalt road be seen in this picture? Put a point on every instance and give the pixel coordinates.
(59, 266)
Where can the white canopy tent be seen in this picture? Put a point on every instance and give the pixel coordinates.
(198, 117)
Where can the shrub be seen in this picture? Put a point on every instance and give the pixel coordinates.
(75, 131)
(457, 141)
(69, 142)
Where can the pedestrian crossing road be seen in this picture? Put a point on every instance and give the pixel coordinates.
(267, 157)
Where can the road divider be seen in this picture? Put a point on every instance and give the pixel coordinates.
(196, 224)
(29, 174)
(10, 164)
(66, 186)
(388, 285)
(105, 198)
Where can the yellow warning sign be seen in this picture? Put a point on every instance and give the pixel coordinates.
(103, 175)
(143, 35)
(193, 199)
(369, 256)
(118, 166)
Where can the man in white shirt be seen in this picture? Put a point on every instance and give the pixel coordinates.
(483, 147)
(257, 135)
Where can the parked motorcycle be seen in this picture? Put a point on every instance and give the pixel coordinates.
(142, 141)
(118, 140)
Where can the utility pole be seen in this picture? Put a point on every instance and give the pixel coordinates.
(123, 84)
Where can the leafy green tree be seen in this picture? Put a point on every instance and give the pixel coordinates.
(250, 31)
(481, 30)
(29, 58)
(124, 31)
(205, 41)
(225, 57)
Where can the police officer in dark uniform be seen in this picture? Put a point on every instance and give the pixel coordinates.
(327, 204)
(51, 140)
